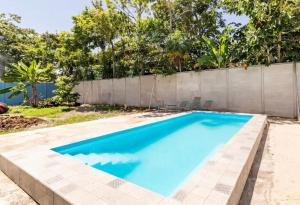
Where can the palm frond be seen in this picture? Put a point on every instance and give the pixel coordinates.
(6, 90)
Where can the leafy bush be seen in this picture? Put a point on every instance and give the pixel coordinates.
(49, 102)
(65, 93)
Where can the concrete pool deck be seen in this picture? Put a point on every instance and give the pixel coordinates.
(54, 179)
(275, 174)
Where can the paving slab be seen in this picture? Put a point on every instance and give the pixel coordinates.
(51, 178)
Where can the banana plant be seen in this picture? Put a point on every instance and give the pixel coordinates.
(218, 54)
(26, 77)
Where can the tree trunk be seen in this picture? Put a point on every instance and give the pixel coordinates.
(113, 58)
(34, 98)
(180, 65)
(279, 56)
(279, 48)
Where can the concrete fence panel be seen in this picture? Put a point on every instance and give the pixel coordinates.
(298, 88)
(119, 95)
(133, 91)
(245, 90)
(279, 99)
(148, 90)
(79, 89)
(106, 91)
(95, 91)
(271, 90)
(214, 87)
(298, 78)
(166, 89)
(188, 86)
(88, 95)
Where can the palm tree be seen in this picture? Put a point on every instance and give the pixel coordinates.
(25, 77)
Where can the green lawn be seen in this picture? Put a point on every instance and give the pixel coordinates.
(27, 111)
(63, 115)
(75, 118)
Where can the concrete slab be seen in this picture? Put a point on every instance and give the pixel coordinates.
(51, 178)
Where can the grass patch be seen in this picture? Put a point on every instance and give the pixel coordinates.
(75, 118)
(63, 115)
(50, 112)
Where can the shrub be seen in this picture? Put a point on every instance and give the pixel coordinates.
(64, 91)
(49, 102)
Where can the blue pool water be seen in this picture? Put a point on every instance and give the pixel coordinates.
(158, 156)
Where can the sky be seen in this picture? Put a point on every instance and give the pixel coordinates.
(55, 15)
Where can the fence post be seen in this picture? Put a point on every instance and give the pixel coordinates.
(140, 91)
(112, 92)
(296, 90)
(262, 82)
(227, 89)
(152, 92)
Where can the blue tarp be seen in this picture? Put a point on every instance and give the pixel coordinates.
(45, 90)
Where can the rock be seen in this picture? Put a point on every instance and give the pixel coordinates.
(3, 108)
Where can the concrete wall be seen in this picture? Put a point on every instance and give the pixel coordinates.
(297, 111)
(166, 89)
(245, 90)
(119, 94)
(270, 90)
(133, 91)
(106, 92)
(279, 91)
(148, 90)
(95, 91)
(214, 87)
(188, 81)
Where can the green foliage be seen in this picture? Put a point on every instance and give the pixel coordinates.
(272, 34)
(65, 93)
(50, 102)
(20, 44)
(218, 53)
(25, 76)
(39, 112)
(119, 38)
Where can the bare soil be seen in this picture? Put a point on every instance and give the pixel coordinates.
(18, 122)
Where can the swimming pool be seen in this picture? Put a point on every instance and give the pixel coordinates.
(159, 156)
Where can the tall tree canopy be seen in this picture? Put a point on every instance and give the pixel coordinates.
(118, 38)
(273, 32)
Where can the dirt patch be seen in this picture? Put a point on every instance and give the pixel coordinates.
(18, 122)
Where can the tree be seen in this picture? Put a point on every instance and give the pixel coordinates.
(65, 89)
(177, 48)
(97, 28)
(272, 34)
(218, 54)
(72, 59)
(26, 45)
(26, 77)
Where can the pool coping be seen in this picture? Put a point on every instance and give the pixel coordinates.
(51, 178)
